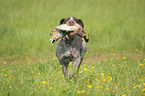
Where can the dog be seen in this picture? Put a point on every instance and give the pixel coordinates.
(72, 49)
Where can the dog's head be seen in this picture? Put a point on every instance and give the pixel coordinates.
(70, 21)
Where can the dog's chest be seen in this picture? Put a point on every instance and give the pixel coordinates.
(66, 49)
(71, 52)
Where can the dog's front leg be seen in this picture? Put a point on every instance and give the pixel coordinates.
(64, 70)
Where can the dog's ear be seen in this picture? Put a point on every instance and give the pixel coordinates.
(80, 22)
(62, 21)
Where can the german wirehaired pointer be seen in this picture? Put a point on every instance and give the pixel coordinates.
(72, 49)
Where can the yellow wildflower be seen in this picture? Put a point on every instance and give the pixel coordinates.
(141, 65)
(143, 45)
(45, 60)
(5, 74)
(79, 92)
(143, 84)
(70, 79)
(105, 59)
(53, 58)
(44, 82)
(89, 86)
(85, 69)
(93, 67)
(141, 52)
(28, 63)
(5, 62)
(51, 88)
(10, 87)
(124, 95)
(51, 67)
(97, 87)
(143, 90)
(84, 64)
(134, 87)
(88, 83)
(98, 62)
(124, 58)
(83, 91)
(60, 71)
(60, 65)
(110, 78)
(113, 54)
(107, 88)
(66, 77)
(136, 49)
(104, 80)
(102, 74)
(95, 78)
(39, 73)
(123, 51)
(9, 75)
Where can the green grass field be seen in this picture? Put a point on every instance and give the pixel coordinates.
(113, 65)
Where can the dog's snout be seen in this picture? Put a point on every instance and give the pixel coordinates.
(71, 22)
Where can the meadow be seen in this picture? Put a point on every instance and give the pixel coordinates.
(114, 63)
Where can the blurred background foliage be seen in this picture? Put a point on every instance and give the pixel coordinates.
(117, 24)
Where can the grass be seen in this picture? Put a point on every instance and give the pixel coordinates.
(123, 76)
(113, 64)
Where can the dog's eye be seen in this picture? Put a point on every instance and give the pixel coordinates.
(75, 19)
(66, 19)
